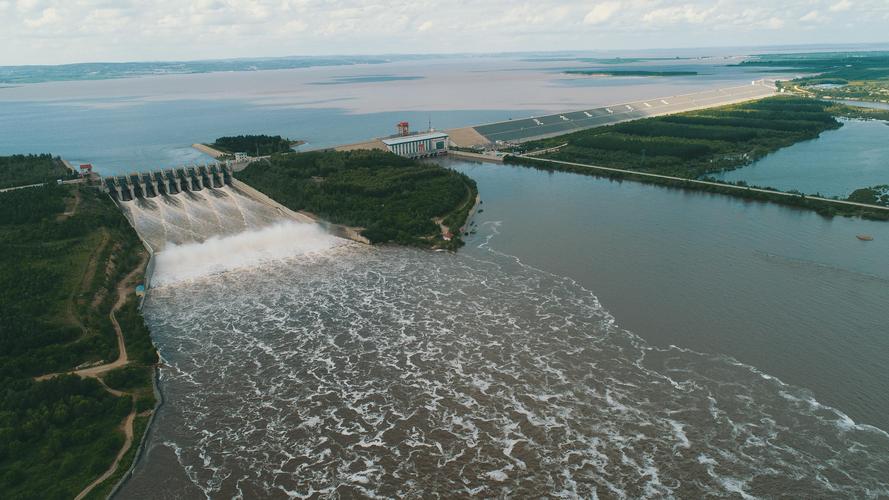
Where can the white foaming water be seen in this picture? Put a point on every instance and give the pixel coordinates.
(244, 250)
(392, 372)
(194, 217)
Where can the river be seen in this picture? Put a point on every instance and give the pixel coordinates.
(593, 338)
(838, 162)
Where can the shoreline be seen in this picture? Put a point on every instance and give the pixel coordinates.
(207, 150)
(747, 192)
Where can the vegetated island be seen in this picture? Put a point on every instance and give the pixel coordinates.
(68, 263)
(254, 145)
(838, 75)
(694, 144)
(393, 199)
(601, 72)
(23, 170)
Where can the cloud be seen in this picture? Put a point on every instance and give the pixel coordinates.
(686, 13)
(48, 16)
(812, 17)
(601, 13)
(841, 6)
(30, 30)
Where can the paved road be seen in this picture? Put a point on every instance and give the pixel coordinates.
(72, 181)
(708, 183)
(561, 123)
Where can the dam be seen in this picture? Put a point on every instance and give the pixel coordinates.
(193, 204)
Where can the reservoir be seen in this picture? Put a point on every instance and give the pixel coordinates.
(592, 337)
(840, 161)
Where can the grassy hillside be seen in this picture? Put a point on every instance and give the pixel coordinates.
(394, 199)
(21, 170)
(63, 250)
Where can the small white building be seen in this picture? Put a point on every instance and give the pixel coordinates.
(419, 145)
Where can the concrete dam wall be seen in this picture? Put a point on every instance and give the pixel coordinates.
(175, 207)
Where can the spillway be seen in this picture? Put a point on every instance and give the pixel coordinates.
(196, 216)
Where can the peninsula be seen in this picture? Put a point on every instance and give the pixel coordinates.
(393, 199)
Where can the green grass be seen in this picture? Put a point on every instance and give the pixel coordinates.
(394, 199)
(22, 170)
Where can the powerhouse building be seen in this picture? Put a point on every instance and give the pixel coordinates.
(419, 145)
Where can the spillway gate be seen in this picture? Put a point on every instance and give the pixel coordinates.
(168, 181)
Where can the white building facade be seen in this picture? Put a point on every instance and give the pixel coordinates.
(419, 145)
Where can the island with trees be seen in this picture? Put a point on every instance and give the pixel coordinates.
(627, 72)
(254, 145)
(393, 199)
(73, 405)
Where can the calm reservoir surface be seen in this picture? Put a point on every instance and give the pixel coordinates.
(592, 338)
(840, 161)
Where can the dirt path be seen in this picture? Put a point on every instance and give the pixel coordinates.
(74, 207)
(124, 288)
(127, 428)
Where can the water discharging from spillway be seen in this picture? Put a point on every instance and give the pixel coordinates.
(210, 231)
(195, 217)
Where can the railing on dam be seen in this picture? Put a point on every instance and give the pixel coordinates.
(167, 181)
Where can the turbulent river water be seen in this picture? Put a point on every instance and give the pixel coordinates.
(349, 370)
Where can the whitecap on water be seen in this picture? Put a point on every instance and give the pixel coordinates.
(240, 251)
(403, 373)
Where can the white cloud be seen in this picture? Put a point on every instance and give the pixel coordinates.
(686, 13)
(601, 13)
(812, 17)
(841, 6)
(31, 30)
(48, 16)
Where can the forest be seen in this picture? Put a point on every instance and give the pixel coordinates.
(697, 143)
(22, 170)
(394, 199)
(63, 249)
(254, 145)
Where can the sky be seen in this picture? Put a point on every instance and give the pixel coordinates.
(68, 31)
